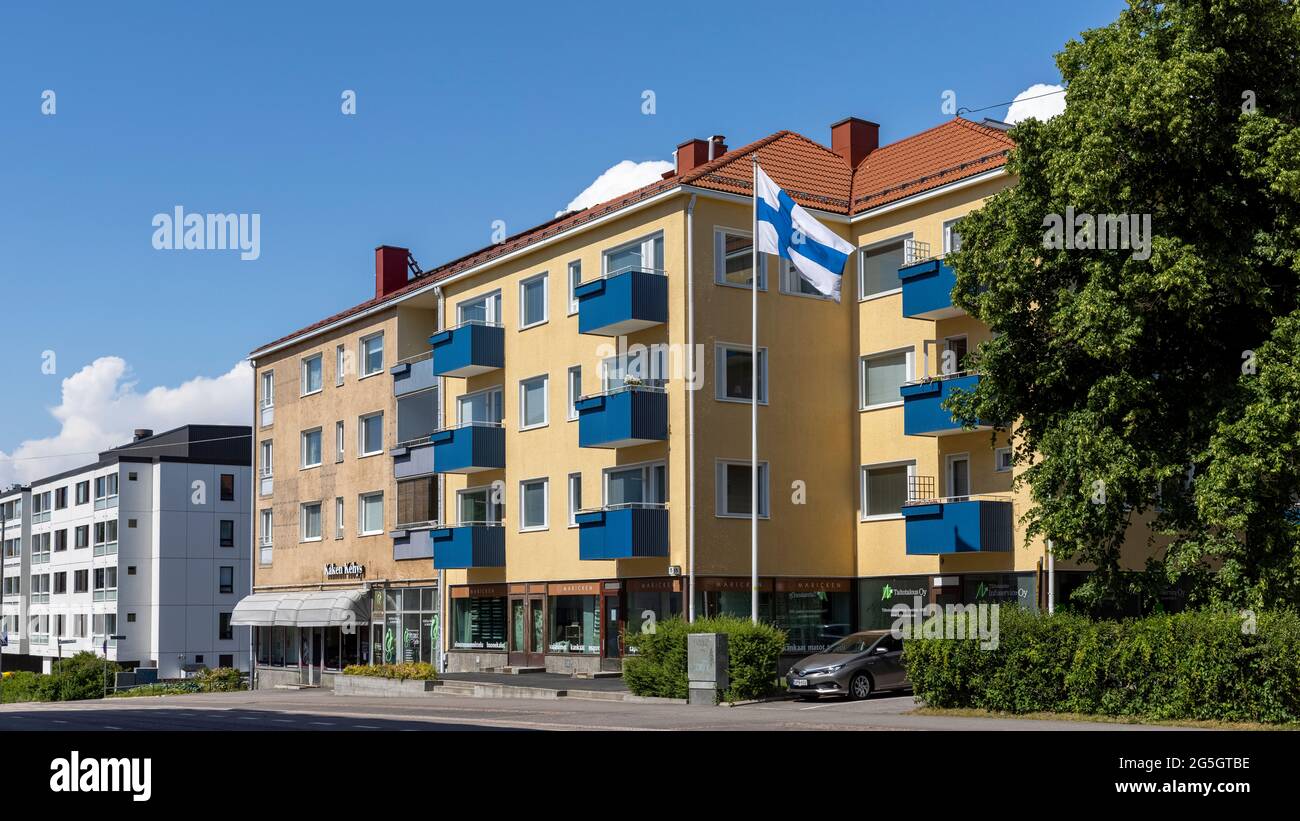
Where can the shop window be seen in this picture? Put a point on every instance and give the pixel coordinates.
(575, 624)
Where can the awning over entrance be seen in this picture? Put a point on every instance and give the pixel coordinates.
(315, 608)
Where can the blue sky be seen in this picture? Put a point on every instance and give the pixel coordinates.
(465, 115)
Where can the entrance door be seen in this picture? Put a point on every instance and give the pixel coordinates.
(317, 654)
(611, 653)
(527, 632)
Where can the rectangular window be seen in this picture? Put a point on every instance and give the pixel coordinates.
(265, 532)
(61, 582)
(371, 430)
(224, 630)
(105, 584)
(1002, 460)
(226, 580)
(340, 364)
(417, 416)
(734, 489)
(575, 497)
(951, 237)
(477, 506)
(339, 441)
(733, 259)
(371, 512)
(227, 533)
(372, 354)
(311, 448)
(884, 489)
(311, 374)
(60, 540)
(533, 495)
(267, 466)
(81, 536)
(486, 309)
(735, 372)
(636, 485)
(575, 279)
(417, 501)
(878, 266)
(880, 377)
(80, 581)
(268, 389)
(61, 498)
(793, 283)
(83, 492)
(338, 517)
(575, 389)
(958, 471)
(646, 254)
(310, 526)
(648, 366)
(483, 406)
(532, 301)
(227, 487)
(953, 357)
(532, 402)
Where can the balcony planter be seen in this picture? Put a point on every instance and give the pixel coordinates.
(622, 303)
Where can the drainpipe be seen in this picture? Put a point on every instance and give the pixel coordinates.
(1051, 579)
(690, 403)
(441, 661)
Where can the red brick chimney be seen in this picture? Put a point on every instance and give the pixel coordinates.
(390, 269)
(853, 139)
(691, 155)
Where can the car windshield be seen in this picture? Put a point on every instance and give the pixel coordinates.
(852, 644)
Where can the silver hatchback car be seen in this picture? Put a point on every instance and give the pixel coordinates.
(855, 666)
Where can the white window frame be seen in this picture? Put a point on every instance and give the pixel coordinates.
(266, 527)
(998, 453)
(302, 521)
(574, 382)
(720, 258)
(340, 441)
(908, 365)
(460, 418)
(949, 230)
(340, 364)
(646, 472)
(862, 489)
(302, 449)
(523, 302)
(965, 338)
(492, 299)
(266, 459)
(574, 270)
(524, 527)
(364, 359)
(546, 401)
(361, 508)
(863, 250)
(361, 434)
(305, 363)
(950, 490)
(268, 389)
(647, 243)
(339, 513)
(785, 270)
(720, 350)
(720, 488)
(575, 499)
(485, 489)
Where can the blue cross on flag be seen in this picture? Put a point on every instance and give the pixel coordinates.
(790, 232)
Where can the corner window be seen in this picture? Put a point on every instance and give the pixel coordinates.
(311, 448)
(371, 514)
(878, 266)
(371, 430)
(734, 491)
(533, 497)
(372, 354)
(733, 259)
(735, 372)
(885, 489)
(311, 374)
(532, 301)
(880, 376)
(532, 402)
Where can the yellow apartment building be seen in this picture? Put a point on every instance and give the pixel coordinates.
(511, 459)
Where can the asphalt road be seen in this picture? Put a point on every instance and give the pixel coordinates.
(322, 710)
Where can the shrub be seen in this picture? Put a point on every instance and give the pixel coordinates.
(406, 671)
(1191, 665)
(21, 685)
(656, 665)
(162, 688)
(220, 680)
(75, 678)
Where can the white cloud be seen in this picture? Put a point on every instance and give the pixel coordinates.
(620, 179)
(101, 407)
(1044, 106)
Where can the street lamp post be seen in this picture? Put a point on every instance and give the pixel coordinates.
(106, 639)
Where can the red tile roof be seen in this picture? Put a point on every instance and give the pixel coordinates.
(811, 173)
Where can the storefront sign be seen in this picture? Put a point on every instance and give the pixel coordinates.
(654, 585)
(812, 585)
(478, 591)
(574, 589)
(351, 570)
(721, 583)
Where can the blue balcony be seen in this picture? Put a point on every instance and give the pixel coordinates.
(923, 413)
(469, 545)
(412, 459)
(412, 543)
(623, 532)
(927, 290)
(622, 418)
(622, 303)
(940, 527)
(469, 349)
(413, 375)
(469, 448)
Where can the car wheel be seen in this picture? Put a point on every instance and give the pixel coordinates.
(860, 687)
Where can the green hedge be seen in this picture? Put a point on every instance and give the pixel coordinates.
(77, 677)
(658, 667)
(1191, 665)
(405, 671)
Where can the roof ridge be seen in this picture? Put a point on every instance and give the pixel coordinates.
(729, 157)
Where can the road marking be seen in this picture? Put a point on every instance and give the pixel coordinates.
(248, 718)
(323, 723)
(366, 726)
(111, 727)
(283, 720)
(58, 721)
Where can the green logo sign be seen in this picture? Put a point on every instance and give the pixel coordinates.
(981, 590)
(887, 592)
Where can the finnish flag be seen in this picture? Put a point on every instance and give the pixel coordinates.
(790, 232)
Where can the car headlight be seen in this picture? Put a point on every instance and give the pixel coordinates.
(834, 669)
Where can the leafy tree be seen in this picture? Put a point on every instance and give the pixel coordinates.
(1159, 388)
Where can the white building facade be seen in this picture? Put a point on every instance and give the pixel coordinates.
(141, 555)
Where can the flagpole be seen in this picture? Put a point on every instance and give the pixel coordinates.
(753, 412)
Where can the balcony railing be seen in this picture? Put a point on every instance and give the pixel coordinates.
(413, 374)
(960, 524)
(923, 411)
(468, 349)
(469, 448)
(468, 545)
(637, 530)
(622, 302)
(624, 417)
